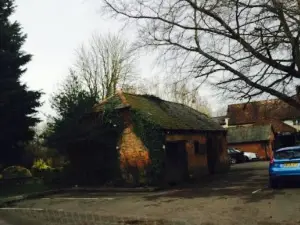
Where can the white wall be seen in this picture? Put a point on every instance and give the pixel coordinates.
(291, 123)
(227, 124)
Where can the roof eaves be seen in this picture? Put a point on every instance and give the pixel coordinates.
(194, 130)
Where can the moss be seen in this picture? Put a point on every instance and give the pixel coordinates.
(155, 113)
(153, 138)
(154, 98)
(170, 115)
(151, 117)
(113, 101)
(249, 133)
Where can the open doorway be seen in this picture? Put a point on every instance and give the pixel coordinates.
(176, 162)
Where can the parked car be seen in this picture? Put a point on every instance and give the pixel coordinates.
(236, 156)
(285, 164)
(249, 156)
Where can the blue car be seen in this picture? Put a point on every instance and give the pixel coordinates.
(285, 164)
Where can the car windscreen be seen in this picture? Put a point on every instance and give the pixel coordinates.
(287, 154)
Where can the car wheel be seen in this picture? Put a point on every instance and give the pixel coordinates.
(273, 183)
(247, 159)
(233, 161)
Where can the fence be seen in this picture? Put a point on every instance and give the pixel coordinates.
(16, 216)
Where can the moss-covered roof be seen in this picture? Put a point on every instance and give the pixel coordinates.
(246, 134)
(169, 115)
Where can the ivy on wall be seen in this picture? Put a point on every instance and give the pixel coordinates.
(111, 130)
(153, 138)
(105, 128)
(93, 156)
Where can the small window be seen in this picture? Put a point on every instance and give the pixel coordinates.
(196, 147)
(200, 149)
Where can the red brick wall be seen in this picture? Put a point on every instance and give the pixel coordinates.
(134, 156)
(197, 164)
(132, 150)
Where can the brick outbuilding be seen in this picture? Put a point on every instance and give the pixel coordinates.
(258, 139)
(193, 144)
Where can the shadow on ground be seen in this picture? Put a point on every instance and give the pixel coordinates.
(291, 184)
(247, 181)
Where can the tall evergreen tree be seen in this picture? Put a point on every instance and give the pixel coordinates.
(70, 103)
(17, 103)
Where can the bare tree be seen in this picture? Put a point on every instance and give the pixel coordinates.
(141, 87)
(221, 111)
(187, 94)
(105, 63)
(146, 86)
(245, 47)
(180, 92)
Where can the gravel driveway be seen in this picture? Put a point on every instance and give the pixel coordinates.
(240, 197)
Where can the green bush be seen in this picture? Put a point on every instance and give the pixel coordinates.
(40, 169)
(40, 164)
(50, 176)
(16, 172)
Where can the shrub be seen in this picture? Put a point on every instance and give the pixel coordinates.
(49, 175)
(40, 168)
(16, 172)
(40, 164)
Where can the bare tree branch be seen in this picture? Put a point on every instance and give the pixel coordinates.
(105, 63)
(247, 47)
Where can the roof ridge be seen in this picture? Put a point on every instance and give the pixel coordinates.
(266, 100)
(258, 101)
(184, 105)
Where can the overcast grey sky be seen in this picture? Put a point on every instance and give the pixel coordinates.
(55, 28)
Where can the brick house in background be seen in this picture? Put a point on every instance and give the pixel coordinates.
(253, 138)
(252, 112)
(284, 119)
(194, 144)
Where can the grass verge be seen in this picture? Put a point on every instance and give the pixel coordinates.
(21, 189)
